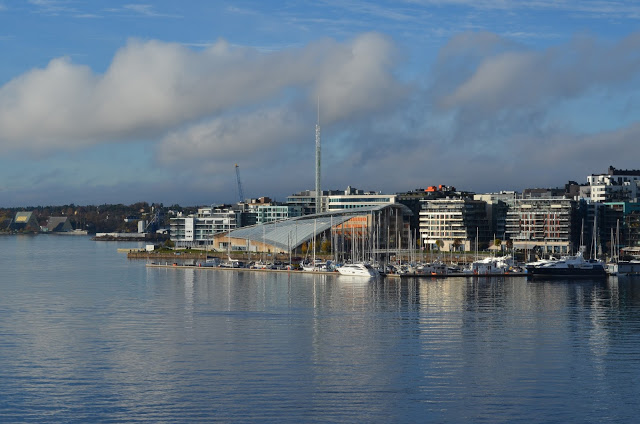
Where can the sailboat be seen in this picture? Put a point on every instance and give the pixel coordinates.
(316, 264)
(617, 266)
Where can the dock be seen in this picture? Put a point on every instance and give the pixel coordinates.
(300, 271)
(228, 268)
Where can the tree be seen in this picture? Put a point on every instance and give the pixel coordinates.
(457, 243)
(325, 246)
(305, 248)
(497, 242)
(439, 243)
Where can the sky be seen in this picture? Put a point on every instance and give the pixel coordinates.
(109, 101)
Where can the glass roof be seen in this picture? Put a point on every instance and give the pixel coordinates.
(291, 233)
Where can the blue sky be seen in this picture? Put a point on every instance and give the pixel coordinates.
(118, 102)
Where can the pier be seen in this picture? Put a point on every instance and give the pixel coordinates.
(300, 271)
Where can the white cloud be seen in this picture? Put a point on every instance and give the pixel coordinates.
(355, 79)
(228, 138)
(53, 7)
(145, 10)
(152, 87)
(513, 89)
(605, 7)
(487, 111)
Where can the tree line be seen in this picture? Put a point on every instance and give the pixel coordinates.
(97, 218)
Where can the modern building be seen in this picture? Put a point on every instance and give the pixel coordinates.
(353, 198)
(548, 224)
(307, 200)
(274, 212)
(497, 205)
(618, 225)
(542, 193)
(24, 221)
(353, 234)
(57, 224)
(617, 185)
(631, 231)
(413, 199)
(198, 230)
(454, 224)
(334, 200)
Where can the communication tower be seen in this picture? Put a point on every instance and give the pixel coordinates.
(240, 192)
(318, 190)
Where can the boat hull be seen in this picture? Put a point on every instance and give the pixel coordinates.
(566, 272)
(357, 271)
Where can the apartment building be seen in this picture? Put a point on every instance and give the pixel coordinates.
(549, 224)
(455, 223)
(197, 230)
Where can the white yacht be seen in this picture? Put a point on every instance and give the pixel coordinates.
(358, 269)
(568, 266)
(494, 266)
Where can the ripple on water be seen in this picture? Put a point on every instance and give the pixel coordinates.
(92, 337)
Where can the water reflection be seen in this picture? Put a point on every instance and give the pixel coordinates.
(432, 340)
(120, 342)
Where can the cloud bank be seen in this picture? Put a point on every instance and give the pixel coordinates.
(488, 114)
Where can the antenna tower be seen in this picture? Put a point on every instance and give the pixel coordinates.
(318, 190)
(240, 192)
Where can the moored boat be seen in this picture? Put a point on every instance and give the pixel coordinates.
(434, 268)
(358, 270)
(568, 266)
(500, 265)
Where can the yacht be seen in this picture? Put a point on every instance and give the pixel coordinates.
(568, 266)
(434, 268)
(210, 262)
(495, 266)
(317, 265)
(358, 269)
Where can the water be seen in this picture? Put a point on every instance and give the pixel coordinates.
(89, 336)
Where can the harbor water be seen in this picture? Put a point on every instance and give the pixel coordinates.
(87, 335)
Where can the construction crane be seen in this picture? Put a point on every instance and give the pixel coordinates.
(240, 192)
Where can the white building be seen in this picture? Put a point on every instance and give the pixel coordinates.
(614, 186)
(198, 230)
(455, 223)
(354, 198)
(338, 200)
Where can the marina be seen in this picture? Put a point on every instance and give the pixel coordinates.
(177, 265)
(320, 212)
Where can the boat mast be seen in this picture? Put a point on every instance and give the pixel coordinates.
(595, 232)
(617, 240)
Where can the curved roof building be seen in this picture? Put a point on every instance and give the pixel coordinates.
(288, 235)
